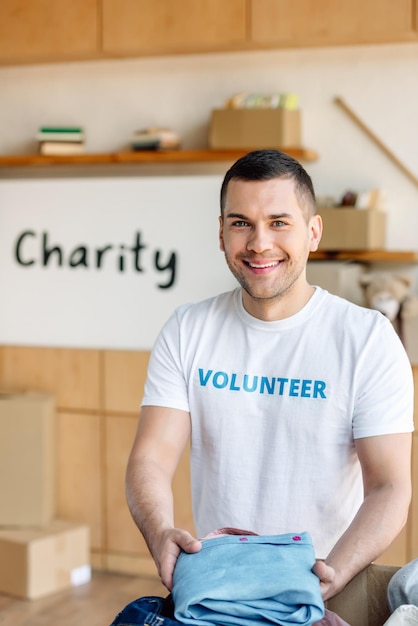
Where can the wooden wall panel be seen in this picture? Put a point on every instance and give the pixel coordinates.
(397, 553)
(72, 375)
(80, 472)
(183, 516)
(124, 379)
(122, 533)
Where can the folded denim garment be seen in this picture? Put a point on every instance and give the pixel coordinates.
(248, 580)
(147, 611)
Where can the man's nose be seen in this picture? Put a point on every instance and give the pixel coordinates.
(260, 240)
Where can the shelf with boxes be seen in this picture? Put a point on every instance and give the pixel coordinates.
(144, 156)
(233, 131)
(357, 234)
(352, 254)
(347, 273)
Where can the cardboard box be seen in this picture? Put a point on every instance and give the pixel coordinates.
(254, 128)
(339, 277)
(36, 562)
(363, 602)
(352, 229)
(27, 459)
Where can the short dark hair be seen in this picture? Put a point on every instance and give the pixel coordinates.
(268, 164)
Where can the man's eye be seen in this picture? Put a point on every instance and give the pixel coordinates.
(239, 223)
(279, 224)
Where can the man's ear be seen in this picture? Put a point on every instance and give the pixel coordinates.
(221, 235)
(315, 225)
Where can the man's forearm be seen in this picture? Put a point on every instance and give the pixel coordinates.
(379, 520)
(150, 500)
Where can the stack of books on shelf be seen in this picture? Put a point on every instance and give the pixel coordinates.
(60, 140)
(155, 138)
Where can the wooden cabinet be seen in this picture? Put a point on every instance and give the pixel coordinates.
(43, 30)
(292, 23)
(66, 30)
(142, 27)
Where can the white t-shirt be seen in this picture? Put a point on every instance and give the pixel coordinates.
(275, 408)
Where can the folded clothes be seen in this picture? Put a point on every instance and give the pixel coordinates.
(403, 586)
(248, 580)
(404, 615)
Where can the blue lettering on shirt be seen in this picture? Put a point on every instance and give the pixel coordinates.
(267, 384)
(251, 388)
(220, 380)
(293, 387)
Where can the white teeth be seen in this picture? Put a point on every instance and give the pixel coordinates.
(261, 267)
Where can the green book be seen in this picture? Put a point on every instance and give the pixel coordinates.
(60, 133)
(60, 129)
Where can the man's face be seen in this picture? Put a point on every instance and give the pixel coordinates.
(266, 238)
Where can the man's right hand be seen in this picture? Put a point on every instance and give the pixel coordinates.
(167, 550)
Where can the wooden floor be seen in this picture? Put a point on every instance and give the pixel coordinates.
(94, 604)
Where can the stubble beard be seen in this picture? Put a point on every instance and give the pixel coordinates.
(277, 292)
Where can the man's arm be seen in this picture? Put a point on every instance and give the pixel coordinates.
(386, 466)
(160, 440)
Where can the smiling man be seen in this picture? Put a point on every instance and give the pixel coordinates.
(298, 404)
(266, 233)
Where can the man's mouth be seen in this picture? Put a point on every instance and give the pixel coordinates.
(262, 266)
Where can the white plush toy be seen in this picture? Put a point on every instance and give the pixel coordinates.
(391, 294)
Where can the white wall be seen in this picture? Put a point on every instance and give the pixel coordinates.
(113, 98)
(102, 263)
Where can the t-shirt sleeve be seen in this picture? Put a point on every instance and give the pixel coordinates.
(385, 399)
(166, 384)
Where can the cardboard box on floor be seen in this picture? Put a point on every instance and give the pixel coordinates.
(364, 602)
(27, 459)
(250, 129)
(36, 562)
(352, 229)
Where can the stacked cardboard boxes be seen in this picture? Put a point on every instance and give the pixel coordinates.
(348, 228)
(249, 129)
(38, 553)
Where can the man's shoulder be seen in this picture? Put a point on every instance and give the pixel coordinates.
(351, 316)
(338, 303)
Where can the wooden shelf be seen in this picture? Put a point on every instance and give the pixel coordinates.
(148, 156)
(366, 256)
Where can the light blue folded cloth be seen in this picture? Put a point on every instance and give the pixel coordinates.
(248, 580)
